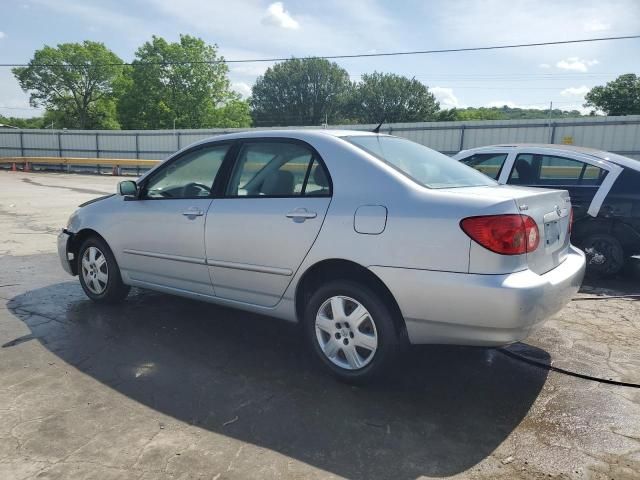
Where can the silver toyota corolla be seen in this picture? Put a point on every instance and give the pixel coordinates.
(369, 240)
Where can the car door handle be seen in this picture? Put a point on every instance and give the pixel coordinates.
(301, 214)
(193, 212)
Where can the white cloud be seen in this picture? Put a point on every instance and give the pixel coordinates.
(576, 64)
(446, 97)
(544, 65)
(242, 88)
(575, 91)
(596, 25)
(2, 35)
(277, 16)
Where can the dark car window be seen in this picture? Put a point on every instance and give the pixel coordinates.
(277, 169)
(488, 163)
(627, 183)
(524, 170)
(551, 170)
(190, 176)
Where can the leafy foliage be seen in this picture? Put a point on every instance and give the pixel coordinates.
(619, 97)
(74, 81)
(392, 98)
(300, 92)
(503, 113)
(184, 82)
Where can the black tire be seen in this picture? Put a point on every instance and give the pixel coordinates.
(605, 255)
(388, 343)
(114, 289)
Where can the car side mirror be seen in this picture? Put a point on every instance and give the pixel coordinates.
(128, 188)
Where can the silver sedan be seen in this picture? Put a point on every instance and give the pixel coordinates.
(370, 241)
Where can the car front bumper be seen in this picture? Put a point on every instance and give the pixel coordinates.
(484, 310)
(63, 241)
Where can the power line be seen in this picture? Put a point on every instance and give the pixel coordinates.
(337, 57)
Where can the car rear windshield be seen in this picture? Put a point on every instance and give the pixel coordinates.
(423, 165)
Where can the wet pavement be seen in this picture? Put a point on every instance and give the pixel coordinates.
(164, 387)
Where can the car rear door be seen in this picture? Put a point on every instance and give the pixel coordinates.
(580, 175)
(260, 231)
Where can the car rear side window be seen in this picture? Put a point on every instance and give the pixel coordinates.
(423, 165)
(488, 163)
(551, 170)
(277, 169)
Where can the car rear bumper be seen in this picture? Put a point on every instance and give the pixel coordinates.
(486, 310)
(63, 242)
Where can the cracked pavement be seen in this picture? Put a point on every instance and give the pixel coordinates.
(167, 388)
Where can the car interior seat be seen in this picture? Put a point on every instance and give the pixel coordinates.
(320, 179)
(280, 182)
(525, 172)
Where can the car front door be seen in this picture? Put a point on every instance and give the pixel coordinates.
(258, 234)
(162, 231)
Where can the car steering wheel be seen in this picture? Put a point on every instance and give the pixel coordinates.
(188, 190)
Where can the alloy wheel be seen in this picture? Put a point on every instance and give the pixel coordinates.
(346, 332)
(95, 271)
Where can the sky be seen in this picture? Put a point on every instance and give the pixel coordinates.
(528, 77)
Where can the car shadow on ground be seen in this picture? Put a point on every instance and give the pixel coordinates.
(442, 411)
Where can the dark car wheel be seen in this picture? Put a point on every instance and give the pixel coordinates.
(351, 331)
(605, 255)
(99, 273)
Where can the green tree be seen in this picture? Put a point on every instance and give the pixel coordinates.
(235, 113)
(32, 122)
(184, 82)
(300, 91)
(619, 97)
(392, 98)
(75, 82)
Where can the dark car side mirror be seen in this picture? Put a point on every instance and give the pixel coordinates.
(128, 188)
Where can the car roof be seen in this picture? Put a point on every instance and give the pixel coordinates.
(600, 154)
(299, 133)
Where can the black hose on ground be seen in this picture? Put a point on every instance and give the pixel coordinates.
(538, 364)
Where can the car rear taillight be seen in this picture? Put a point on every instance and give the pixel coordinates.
(509, 234)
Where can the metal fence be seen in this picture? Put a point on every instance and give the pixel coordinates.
(616, 134)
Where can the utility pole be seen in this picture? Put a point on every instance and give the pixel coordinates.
(550, 113)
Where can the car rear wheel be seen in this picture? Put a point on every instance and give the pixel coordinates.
(99, 273)
(351, 331)
(605, 255)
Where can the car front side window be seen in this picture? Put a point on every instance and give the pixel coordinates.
(190, 176)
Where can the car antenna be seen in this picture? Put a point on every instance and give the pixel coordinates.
(377, 129)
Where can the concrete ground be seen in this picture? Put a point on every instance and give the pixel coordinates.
(162, 387)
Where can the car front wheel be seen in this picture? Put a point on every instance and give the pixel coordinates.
(351, 331)
(99, 273)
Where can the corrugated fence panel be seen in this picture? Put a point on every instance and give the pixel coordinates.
(114, 145)
(158, 145)
(11, 139)
(35, 142)
(617, 134)
(78, 145)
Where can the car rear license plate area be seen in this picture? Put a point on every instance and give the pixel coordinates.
(551, 233)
